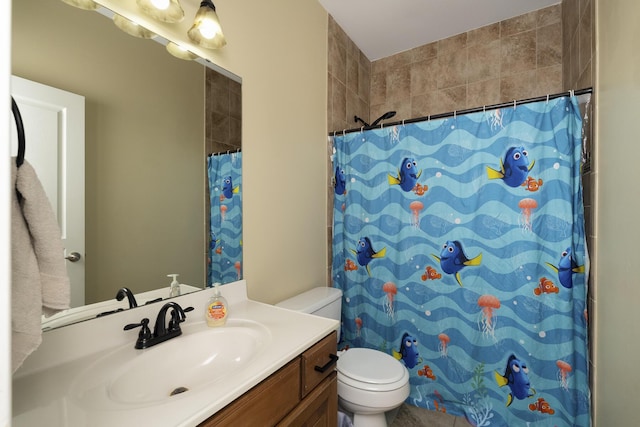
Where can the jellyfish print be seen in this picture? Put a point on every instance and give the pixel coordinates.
(223, 211)
(563, 372)
(496, 119)
(487, 323)
(358, 322)
(444, 344)
(527, 205)
(415, 207)
(390, 290)
(238, 267)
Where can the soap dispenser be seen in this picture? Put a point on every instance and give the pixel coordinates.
(175, 286)
(217, 309)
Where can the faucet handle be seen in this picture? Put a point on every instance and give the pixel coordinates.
(145, 333)
(176, 318)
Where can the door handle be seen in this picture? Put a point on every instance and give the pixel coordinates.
(73, 257)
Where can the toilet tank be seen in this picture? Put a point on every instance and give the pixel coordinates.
(321, 301)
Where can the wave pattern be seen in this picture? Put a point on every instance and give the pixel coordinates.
(516, 282)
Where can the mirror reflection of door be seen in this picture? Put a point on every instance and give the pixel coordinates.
(54, 137)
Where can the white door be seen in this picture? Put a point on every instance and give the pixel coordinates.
(54, 138)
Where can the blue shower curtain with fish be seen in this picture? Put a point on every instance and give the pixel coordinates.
(459, 246)
(225, 227)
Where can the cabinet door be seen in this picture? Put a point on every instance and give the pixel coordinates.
(265, 404)
(319, 408)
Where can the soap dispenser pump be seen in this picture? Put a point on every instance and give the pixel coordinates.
(175, 286)
(217, 309)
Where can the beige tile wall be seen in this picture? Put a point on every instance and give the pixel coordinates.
(223, 112)
(514, 59)
(349, 80)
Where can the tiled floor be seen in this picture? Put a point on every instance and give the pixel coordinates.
(412, 416)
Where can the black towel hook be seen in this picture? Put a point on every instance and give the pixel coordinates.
(20, 127)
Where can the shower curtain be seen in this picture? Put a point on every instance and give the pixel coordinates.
(459, 246)
(225, 231)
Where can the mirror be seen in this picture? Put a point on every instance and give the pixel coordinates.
(146, 144)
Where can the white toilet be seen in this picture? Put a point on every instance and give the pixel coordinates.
(370, 382)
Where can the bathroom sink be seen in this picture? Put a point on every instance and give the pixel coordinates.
(178, 367)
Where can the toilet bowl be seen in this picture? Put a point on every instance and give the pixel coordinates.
(370, 382)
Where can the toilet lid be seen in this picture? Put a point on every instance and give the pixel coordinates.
(370, 366)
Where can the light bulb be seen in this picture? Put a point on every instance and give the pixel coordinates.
(209, 28)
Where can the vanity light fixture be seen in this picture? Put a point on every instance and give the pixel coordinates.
(168, 11)
(82, 4)
(206, 30)
(180, 52)
(131, 28)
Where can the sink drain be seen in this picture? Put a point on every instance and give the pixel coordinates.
(178, 391)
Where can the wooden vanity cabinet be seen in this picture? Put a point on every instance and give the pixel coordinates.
(296, 395)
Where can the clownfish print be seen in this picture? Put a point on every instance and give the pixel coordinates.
(546, 286)
(426, 372)
(542, 406)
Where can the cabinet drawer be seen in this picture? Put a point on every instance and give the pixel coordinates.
(318, 363)
(265, 404)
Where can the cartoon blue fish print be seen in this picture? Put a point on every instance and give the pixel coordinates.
(566, 267)
(514, 169)
(365, 253)
(213, 242)
(228, 190)
(340, 182)
(516, 376)
(452, 259)
(408, 175)
(408, 351)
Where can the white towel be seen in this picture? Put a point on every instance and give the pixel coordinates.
(40, 284)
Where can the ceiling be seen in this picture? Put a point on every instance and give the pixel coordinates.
(383, 28)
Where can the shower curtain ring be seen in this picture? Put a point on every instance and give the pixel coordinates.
(402, 122)
(361, 129)
(514, 104)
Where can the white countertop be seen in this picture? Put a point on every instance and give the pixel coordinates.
(43, 387)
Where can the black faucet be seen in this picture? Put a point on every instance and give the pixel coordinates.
(126, 292)
(161, 331)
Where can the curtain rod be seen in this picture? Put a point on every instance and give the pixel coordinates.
(468, 110)
(237, 150)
